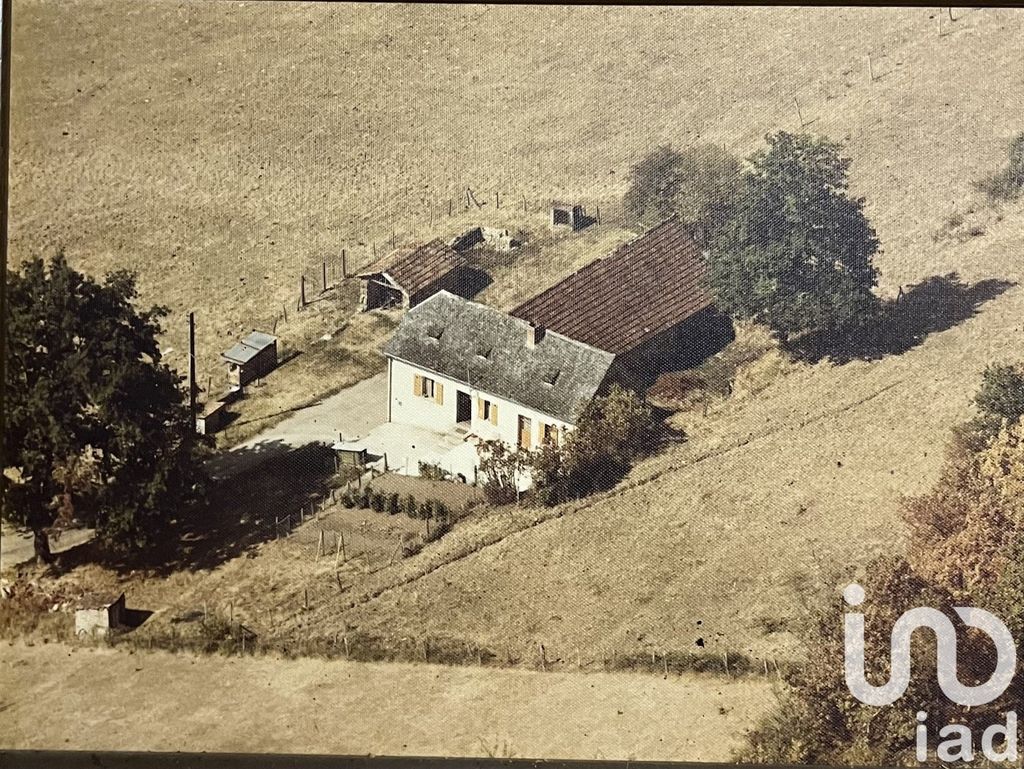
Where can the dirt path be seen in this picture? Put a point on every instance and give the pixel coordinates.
(56, 696)
(16, 547)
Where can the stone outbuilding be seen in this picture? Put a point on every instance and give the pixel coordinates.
(568, 215)
(97, 614)
(404, 278)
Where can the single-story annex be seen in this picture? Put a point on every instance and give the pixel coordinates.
(404, 278)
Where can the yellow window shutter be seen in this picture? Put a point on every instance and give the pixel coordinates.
(439, 394)
(417, 385)
(494, 413)
(479, 408)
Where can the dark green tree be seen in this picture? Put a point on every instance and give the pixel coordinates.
(1001, 395)
(700, 184)
(797, 256)
(611, 431)
(97, 429)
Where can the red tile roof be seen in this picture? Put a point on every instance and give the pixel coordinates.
(419, 268)
(642, 288)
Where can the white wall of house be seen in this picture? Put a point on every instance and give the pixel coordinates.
(438, 412)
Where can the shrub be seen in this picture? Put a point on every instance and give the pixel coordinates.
(611, 431)
(411, 544)
(409, 506)
(377, 501)
(364, 497)
(394, 504)
(501, 467)
(348, 499)
(424, 510)
(1002, 392)
(438, 530)
(432, 471)
(1008, 183)
(438, 510)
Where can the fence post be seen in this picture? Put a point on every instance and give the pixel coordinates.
(339, 547)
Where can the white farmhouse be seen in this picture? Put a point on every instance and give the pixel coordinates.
(476, 373)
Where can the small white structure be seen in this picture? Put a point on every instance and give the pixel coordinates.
(97, 615)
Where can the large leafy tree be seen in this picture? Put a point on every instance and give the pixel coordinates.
(700, 184)
(798, 253)
(96, 426)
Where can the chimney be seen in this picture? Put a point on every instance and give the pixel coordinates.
(534, 334)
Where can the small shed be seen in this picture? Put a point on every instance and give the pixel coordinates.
(253, 357)
(350, 453)
(212, 417)
(406, 278)
(568, 215)
(99, 613)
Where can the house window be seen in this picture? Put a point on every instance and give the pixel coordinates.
(425, 387)
(487, 410)
(549, 435)
(525, 432)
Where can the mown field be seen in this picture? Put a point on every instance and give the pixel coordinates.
(224, 149)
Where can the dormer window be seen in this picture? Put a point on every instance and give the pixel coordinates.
(484, 353)
(551, 376)
(434, 333)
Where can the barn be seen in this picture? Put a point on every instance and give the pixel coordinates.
(404, 278)
(647, 303)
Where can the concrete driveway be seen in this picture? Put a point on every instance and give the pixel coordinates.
(351, 413)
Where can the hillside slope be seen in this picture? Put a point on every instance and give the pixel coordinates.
(224, 148)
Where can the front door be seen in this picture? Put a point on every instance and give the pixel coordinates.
(463, 407)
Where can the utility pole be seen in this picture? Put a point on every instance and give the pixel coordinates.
(192, 368)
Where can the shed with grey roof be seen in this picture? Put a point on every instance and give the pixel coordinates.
(251, 358)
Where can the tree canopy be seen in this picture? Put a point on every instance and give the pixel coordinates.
(700, 184)
(97, 426)
(797, 255)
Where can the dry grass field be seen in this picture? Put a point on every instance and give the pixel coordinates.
(224, 148)
(312, 706)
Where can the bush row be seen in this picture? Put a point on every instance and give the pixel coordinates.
(394, 503)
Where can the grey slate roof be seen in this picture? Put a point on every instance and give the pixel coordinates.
(486, 349)
(246, 350)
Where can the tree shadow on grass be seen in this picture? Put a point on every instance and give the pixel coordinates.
(255, 494)
(936, 304)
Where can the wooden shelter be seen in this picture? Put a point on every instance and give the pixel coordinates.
(253, 357)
